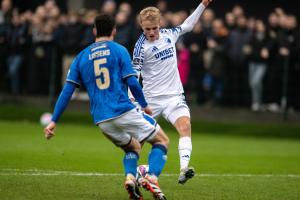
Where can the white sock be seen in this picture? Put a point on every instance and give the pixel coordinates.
(185, 150)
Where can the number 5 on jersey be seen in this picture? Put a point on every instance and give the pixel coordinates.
(101, 74)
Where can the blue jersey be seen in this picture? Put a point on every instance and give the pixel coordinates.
(102, 69)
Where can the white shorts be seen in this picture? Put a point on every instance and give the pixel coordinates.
(134, 123)
(171, 107)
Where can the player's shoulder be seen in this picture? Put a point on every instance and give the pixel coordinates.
(141, 40)
(174, 30)
(139, 45)
(118, 48)
(81, 56)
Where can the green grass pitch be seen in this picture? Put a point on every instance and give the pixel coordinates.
(232, 161)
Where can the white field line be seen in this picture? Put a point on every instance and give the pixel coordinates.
(37, 172)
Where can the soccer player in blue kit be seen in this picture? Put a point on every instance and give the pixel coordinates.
(105, 70)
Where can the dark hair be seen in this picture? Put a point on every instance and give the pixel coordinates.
(104, 25)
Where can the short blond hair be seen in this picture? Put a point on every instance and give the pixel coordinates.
(150, 13)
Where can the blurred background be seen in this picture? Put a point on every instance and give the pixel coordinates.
(242, 60)
(240, 68)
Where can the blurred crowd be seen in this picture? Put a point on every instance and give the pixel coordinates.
(236, 60)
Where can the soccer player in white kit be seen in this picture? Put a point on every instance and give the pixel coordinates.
(154, 57)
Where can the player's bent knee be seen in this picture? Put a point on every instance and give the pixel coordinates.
(134, 145)
(183, 126)
(162, 138)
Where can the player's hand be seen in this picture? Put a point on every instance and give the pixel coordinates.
(147, 110)
(206, 2)
(49, 130)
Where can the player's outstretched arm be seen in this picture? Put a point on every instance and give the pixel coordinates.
(60, 106)
(190, 22)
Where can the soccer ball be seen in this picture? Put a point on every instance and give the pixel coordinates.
(142, 170)
(45, 118)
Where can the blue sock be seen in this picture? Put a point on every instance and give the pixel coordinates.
(130, 161)
(157, 159)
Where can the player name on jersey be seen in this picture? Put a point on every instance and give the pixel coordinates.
(98, 54)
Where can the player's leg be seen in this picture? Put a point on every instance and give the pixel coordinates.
(183, 126)
(132, 149)
(178, 113)
(151, 132)
(156, 160)
(158, 155)
(130, 161)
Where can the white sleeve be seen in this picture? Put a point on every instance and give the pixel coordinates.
(190, 22)
(138, 54)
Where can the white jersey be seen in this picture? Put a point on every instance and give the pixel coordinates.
(157, 60)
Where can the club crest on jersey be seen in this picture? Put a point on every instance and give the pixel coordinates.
(154, 49)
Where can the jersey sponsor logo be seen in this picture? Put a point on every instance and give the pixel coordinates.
(164, 54)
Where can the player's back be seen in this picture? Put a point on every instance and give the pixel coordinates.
(103, 67)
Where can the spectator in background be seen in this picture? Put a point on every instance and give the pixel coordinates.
(88, 24)
(289, 51)
(258, 55)
(230, 21)
(215, 63)
(70, 40)
(237, 71)
(183, 58)
(183, 61)
(162, 5)
(109, 7)
(6, 11)
(17, 40)
(126, 8)
(5, 20)
(251, 24)
(206, 21)
(124, 27)
(195, 41)
(238, 11)
(274, 73)
(43, 55)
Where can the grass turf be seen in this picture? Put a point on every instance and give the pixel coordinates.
(223, 152)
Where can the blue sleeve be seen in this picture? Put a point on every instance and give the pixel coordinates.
(136, 91)
(126, 65)
(63, 100)
(73, 73)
